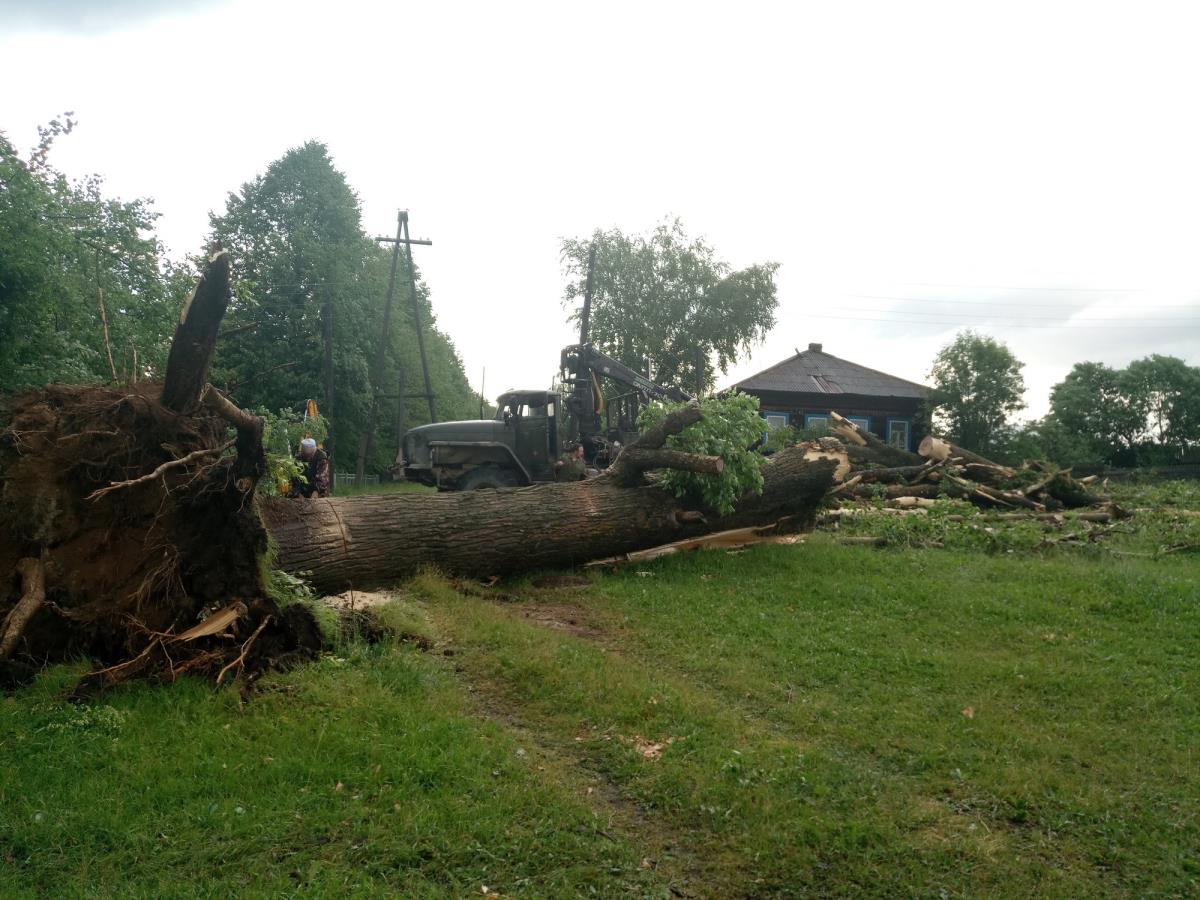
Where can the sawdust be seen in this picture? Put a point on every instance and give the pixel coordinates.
(359, 599)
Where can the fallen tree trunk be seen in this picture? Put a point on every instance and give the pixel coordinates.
(365, 542)
(941, 449)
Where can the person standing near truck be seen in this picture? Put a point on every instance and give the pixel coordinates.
(316, 480)
(571, 467)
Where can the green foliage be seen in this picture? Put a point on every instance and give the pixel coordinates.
(62, 243)
(1170, 391)
(778, 438)
(1094, 405)
(301, 260)
(285, 588)
(669, 300)
(731, 425)
(1147, 413)
(1043, 439)
(977, 385)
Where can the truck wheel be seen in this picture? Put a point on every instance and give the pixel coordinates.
(486, 477)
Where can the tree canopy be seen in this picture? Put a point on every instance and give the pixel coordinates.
(66, 252)
(306, 319)
(667, 303)
(1148, 412)
(306, 271)
(976, 386)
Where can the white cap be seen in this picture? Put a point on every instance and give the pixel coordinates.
(308, 444)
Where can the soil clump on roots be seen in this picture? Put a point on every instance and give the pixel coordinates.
(130, 566)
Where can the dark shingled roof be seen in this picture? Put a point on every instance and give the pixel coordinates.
(815, 372)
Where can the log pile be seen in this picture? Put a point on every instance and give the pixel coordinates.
(943, 469)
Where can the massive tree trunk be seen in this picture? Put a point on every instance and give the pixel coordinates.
(363, 542)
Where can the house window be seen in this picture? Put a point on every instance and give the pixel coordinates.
(898, 433)
(863, 422)
(818, 421)
(775, 419)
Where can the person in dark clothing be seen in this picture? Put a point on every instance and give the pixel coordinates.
(317, 477)
(571, 466)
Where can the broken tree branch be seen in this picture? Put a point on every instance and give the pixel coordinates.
(636, 461)
(196, 336)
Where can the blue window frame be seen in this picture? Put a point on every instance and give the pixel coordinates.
(775, 419)
(816, 420)
(899, 432)
(863, 422)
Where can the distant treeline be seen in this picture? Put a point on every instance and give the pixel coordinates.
(304, 323)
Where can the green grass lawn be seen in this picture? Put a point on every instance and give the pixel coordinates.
(795, 720)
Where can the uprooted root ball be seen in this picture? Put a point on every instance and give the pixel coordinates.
(129, 568)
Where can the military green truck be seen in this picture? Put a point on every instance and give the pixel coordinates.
(531, 428)
(519, 446)
(522, 443)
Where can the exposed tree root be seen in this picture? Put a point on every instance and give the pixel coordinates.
(33, 579)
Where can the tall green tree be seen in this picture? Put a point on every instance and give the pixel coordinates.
(1094, 404)
(1148, 412)
(1169, 389)
(305, 321)
(295, 236)
(976, 386)
(66, 252)
(666, 302)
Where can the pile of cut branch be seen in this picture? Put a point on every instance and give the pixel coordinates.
(939, 469)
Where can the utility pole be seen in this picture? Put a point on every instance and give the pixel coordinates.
(376, 372)
(402, 237)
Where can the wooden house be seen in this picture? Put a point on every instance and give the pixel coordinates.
(802, 390)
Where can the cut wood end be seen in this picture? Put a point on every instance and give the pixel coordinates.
(934, 448)
(817, 450)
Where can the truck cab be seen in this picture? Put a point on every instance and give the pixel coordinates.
(518, 447)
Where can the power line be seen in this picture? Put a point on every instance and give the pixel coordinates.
(954, 300)
(1002, 316)
(996, 287)
(1063, 325)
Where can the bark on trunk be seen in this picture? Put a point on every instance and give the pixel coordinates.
(364, 542)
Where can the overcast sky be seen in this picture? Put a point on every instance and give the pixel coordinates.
(1030, 170)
